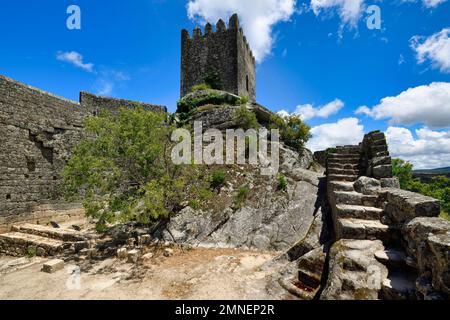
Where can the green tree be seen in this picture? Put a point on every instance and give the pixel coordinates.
(293, 131)
(403, 171)
(123, 172)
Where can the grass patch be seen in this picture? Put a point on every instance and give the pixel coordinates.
(242, 195)
(31, 252)
(282, 182)
(445, 215)
(217, 179)
(201, 86)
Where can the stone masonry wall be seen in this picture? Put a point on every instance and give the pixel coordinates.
(225, 52)
(37, 133)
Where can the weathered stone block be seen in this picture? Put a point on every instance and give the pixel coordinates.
(404, 205)
(366, 185)
(53, 266)
(382, 171)
(122, 253)
(133, 256)
(390, 183)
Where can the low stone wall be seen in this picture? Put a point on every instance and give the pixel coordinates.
(37, 133)
(428, 242)
(402, 206)
(94, 104)
(425, 238)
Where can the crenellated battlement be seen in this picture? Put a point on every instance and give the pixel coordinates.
(223, 50)
(220, 28)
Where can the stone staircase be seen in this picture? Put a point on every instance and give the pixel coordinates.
(32, 239)
(358, 216)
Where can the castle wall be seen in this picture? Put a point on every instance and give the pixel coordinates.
(246, 68)
(37, 132)
(225, 52)
(94, 104)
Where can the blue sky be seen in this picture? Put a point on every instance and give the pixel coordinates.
(311, 54)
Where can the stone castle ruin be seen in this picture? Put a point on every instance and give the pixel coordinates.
(224, 53)
(37, 132)
(346, 228)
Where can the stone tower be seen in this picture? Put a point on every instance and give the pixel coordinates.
(224, 53)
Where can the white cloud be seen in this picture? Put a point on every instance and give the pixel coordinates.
(350, 11)
(435, 48)
(308, 111)
(283, 113)
(431, 149)
(428, 105)
(75, 59)
(346, 131)
(103, 87)
(431, 4)
(108, 80)
(257, 18)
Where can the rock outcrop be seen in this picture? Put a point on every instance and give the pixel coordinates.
(269, 220)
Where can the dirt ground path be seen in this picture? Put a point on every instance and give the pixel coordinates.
(192, 274)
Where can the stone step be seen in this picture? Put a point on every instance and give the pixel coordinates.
(340, 186)
(356, 198)
(343, 156)
(19, 244)
(391, 257)
(342, 161)
(342, 171)
(362, 229)
(399, 285)
(348, 149)
(343, 166)
(347, 211)
(50, 232)
(342, 177)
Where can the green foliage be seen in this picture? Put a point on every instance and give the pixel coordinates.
(205, 194)
(246, 119)
(206, 107)
(293, 131)
(242, 195)
(331, 150)
(403, 171)
(200, 87)
(243, 100)
(194, 204)
(124, 171)
(190, 102)
(31, 252)
(282, 182)
(445, 215)
(438, 188)
(213, 80)
(217, 179)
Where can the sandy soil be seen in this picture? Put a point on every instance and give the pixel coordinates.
(188, 274)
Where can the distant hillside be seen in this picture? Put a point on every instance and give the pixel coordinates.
(427, 175)
(443, 171)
